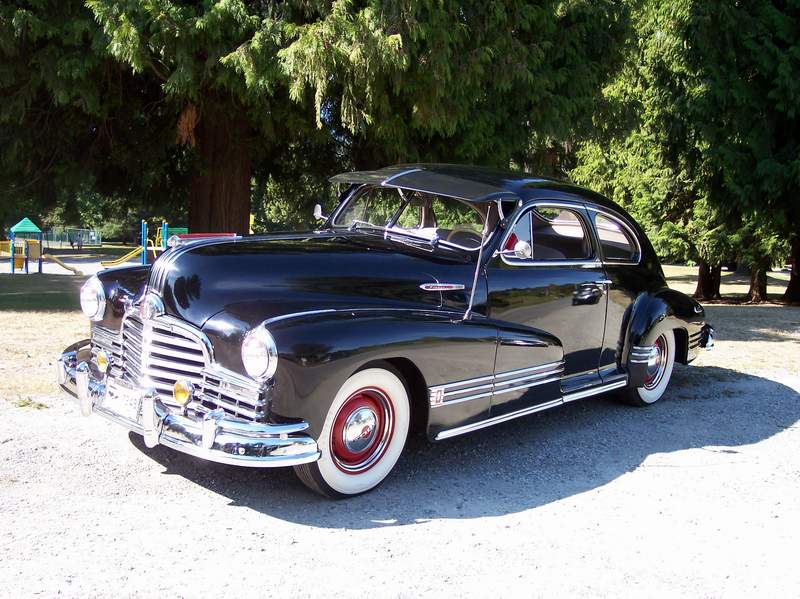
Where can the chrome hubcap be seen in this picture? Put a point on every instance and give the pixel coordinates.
(362, 430)
(359, 429)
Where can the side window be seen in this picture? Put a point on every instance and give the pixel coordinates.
(554, 234)
(615, 240)
(521, 232)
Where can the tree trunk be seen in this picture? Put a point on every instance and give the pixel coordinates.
(793, 290)
(758, 284)
(219, 195)
(708, 281)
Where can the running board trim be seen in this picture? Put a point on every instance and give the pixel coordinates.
(595, 390)
(474, 426)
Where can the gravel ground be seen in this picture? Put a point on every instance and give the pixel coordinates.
(696, 496)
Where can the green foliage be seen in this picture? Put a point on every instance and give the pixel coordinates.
(704, 146)
(456, 81)
(749, 56)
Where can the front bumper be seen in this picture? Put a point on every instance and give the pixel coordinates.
(214, 436)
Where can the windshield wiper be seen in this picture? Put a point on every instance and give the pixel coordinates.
(354, 226)
(408, 238)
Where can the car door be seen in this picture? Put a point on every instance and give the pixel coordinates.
(621, 253)
(560, 289)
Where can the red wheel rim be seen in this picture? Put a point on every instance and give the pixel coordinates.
(656, 364)
(361, 430)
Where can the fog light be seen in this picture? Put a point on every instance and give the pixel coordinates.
(102, 360)
(182, 392)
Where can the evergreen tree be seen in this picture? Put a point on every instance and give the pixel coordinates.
(749, 57)
(74, 123)
(702, 144)
(649, 154)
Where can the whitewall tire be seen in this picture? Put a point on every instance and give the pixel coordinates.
(363, 435)
(659, 372)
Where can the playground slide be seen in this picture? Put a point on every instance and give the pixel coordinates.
(52, 258)
(126, 258)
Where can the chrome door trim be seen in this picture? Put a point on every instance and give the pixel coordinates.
(526, 207)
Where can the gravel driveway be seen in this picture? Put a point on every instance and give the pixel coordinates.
(698, 495)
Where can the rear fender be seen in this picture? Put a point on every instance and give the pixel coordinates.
(653, 314)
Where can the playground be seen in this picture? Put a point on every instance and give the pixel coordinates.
(79, 252)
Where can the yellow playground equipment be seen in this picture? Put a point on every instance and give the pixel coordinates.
(153, 246)
(56, 260)
(134, 253)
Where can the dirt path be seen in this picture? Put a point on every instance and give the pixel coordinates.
(698, 495)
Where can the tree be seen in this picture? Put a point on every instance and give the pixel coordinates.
(214, 100)
(707, 155)
(648, 153)
(749, 55)
(456, 81)
(73, 122)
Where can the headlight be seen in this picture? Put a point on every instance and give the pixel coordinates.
(259, 353)
(93, 299)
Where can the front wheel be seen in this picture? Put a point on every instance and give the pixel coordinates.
(363, 435)
(659, 371)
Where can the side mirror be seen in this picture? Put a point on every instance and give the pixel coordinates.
(522, 250)
(318, 212)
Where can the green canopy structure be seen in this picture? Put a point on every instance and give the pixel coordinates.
(26, 225)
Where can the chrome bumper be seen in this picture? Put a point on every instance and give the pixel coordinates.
(215, 436)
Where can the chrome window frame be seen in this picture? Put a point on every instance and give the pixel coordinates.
(631, 233)
(524, 208)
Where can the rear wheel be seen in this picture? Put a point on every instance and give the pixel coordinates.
(659, 371)
(363, 435)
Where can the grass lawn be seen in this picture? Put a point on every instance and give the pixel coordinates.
(34, 292)
(734, 285)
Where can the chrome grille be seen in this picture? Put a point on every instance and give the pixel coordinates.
(132, 343)
(109, 341)
(241, 398)
(171, 353)
(158, 352)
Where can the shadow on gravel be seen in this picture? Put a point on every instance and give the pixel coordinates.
(521, 464)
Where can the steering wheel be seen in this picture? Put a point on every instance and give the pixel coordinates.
(465, 232)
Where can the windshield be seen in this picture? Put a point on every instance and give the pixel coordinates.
(422, 215)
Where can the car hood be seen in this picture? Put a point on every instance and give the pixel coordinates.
(259, 278)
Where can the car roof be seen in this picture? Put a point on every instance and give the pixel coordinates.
(471, 183)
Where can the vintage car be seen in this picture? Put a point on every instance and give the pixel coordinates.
(436, 298)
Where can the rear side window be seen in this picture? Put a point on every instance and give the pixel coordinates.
(554, 234)
(616, 242)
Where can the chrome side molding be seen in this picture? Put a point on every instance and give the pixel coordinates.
(467, 428)
(485, 386)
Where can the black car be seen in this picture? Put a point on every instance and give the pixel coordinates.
(436, 297)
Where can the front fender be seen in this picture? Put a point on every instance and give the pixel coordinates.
(318, 354)
(122, 285)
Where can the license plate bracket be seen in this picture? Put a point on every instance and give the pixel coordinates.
(123, 400)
